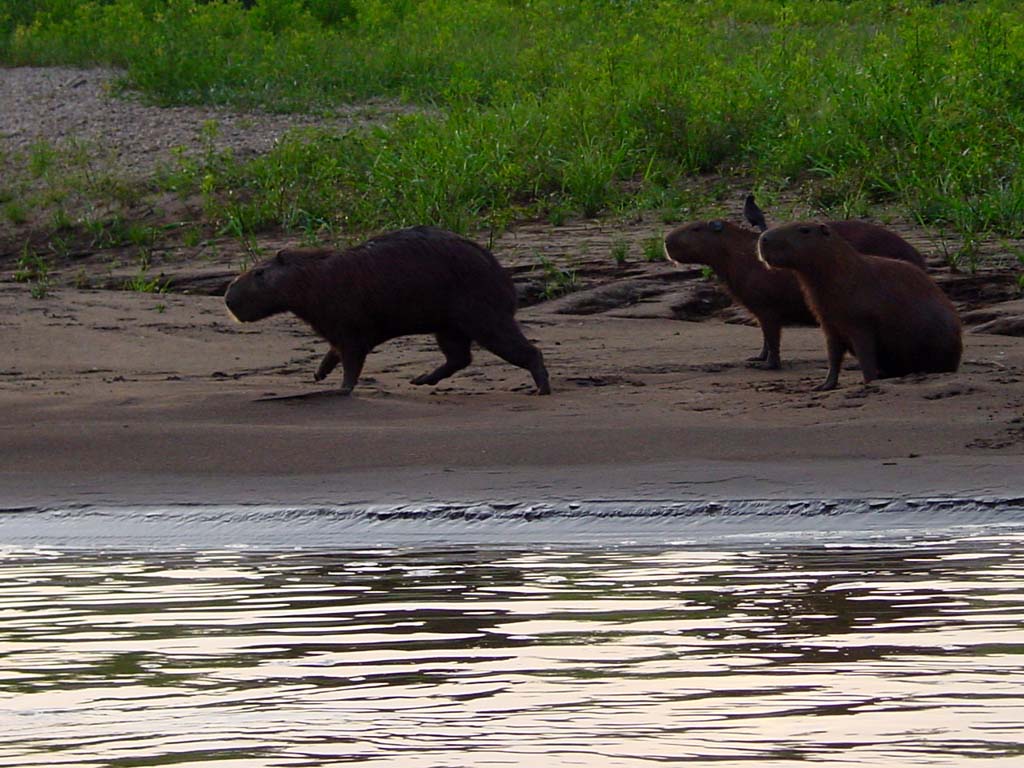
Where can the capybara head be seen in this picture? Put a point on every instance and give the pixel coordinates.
(700, 242)
(272, 286)
(790, 244)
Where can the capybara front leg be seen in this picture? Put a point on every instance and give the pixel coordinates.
(763, 354)
(836, 351)
(328, 364)
(509, 343)
(772, 331)
(352, 360)
(457, 356)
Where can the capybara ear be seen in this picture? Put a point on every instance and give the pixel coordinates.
(825, 231)
(716, 226)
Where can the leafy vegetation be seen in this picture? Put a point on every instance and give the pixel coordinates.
(559, 107)
(620, 251)
(654, 249)
(557, 281)
(33, 269)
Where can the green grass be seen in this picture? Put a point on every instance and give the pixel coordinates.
(620, 251)
(33, 269)
(142, 281)
(559, 108)
(654, 249)
(557, 281)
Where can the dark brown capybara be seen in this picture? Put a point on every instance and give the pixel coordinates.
(862, 235)
(418, 280)
(890, 314)
(774, 298)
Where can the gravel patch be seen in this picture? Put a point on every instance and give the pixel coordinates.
(70, 107)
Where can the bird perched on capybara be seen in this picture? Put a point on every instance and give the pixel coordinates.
(890, 314)
(773, 297)
(862, 235)
(419, 280)
(754, 215)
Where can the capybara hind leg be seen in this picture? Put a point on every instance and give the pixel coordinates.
(509, 344)
(865, 349)
(836, 351)
(456, 357)
(328, 364)
(352, 365)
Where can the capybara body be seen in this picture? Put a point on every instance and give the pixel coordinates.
(862, 235)
(412, 281)
(774, 297)
(888, 313)
(866, 237)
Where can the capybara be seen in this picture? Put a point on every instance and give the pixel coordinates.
(862, 235)
(774, 298)
(890, 314)
(419, 280)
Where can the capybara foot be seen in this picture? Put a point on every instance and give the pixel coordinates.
(543, 389)
(825, 386)
(345, 391)
(764, 365)
(424, 378)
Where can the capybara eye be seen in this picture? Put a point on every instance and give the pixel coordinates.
(716, 226)
(805, 230)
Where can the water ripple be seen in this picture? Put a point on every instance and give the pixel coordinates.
(904, 652)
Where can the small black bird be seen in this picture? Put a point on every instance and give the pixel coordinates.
(754, 215)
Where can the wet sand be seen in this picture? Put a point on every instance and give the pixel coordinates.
(119, 397)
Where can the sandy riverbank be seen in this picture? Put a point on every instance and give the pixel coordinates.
(114, 396)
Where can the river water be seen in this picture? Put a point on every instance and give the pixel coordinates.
(604, 634)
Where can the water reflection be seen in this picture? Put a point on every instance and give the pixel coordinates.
(905, 653)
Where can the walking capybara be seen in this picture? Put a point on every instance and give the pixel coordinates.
(890, 314)
(862, 235)
(774, 298)
(419, 280)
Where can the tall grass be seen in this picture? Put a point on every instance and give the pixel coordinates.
(543, 105)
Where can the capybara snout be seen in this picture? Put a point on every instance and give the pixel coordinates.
(775, 250)
(250, 298)
(264, 290)
(690, 243)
